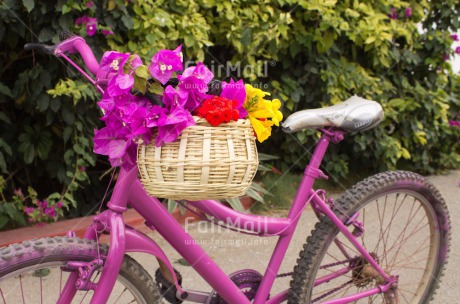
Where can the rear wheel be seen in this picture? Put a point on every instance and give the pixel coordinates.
(406, 230)
(34, 272)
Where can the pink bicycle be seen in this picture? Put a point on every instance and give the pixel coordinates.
(386, 240)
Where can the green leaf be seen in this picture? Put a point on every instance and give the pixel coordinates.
(3, 221)
(4, 117)
(5, 90)
(156, 88)
(255, 195)
(236, 204)
(29, 5)
(143, 72)
(172, 204)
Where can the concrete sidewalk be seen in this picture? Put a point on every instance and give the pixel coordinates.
(233, 251)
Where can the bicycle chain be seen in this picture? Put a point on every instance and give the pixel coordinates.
(332, 291)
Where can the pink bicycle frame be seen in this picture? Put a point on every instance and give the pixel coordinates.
(129, 191)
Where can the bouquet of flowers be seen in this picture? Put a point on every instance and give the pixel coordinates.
(131, 119)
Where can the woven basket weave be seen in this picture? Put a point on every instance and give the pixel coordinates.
(204, 163)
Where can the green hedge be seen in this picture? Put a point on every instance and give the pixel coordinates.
(307, 53)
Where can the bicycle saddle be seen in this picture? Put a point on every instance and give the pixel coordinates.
(352, 115)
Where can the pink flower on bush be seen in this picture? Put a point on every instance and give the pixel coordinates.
(454, 37)
(113, 62)
(59, 205)
(457, 50)
(29, 210)
(50, 212)
(90, 23)
(408, 12)
(164, 63)
(393, 14)
(194, 82)
(89, 4)
(107, 32)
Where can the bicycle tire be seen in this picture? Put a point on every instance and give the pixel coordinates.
(20, 262)
(317, 248)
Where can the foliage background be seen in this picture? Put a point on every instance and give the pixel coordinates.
(317, 53)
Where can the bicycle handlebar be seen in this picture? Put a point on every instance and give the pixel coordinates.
(74, 44)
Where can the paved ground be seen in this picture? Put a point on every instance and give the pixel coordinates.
(233, 251)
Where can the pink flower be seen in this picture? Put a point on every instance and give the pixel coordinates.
(18, 193)
(457, 50)
(59, 205)
(173, 98)
(235, 91)
(91, 28)
(164, 63)
(29, 210)
(107, 32)
(50, 212)
(393, 14)
(89, 4)
(408, 12)
(454, 37)
(200, 71)
(113, 62)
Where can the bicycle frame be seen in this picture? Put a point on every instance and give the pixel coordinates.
(129, 191)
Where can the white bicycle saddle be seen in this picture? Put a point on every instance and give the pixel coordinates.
(354, 114)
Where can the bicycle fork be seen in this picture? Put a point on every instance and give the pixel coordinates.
(386, 284)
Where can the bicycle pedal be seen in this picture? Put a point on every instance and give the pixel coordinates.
(167, 289)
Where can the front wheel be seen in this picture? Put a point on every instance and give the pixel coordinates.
(406, 230)
(34, 272)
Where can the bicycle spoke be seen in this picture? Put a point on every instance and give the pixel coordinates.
(3, 297)
(22, 290)
(121, 294)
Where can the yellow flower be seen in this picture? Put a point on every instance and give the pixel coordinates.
(263, 129)
(277, 115)
(262, 113)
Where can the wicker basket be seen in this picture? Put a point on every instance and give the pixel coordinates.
(204, 163)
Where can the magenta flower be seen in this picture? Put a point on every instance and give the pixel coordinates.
(120, 85)
(91, 25)
(164, 63)
(171, 126)
(235, 91)
(113, 62)
(454, 37)
(29, 210)
(113, 143)
(59, 205)
(89, 4)
(82, 20)
(50, 212)
(107, 32)
(393, 14)
(173, 98)
(457, 50)
(408, 12)
(156, 113)
(200, 71)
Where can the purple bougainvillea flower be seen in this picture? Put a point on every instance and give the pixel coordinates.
(200, 71)
(89, 4)
(156, 114)
(50, 212)
(107, 32)
(171, 126)
(113, 62)
(164, 63)
(235, 91)
(59, 205)
(173, 98)
(120, 85)
(113, 143)
(457, 50)
(82, 20)
(29, 210)
(195, 89)
(408, 12)
(393, 14)
(454, 37)
(91, 26)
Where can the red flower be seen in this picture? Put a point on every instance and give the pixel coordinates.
(217, 110)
